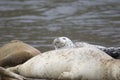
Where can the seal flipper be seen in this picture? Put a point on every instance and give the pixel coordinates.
(7, 73)
(112, 51)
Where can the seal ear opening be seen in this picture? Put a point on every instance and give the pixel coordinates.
(6, 73)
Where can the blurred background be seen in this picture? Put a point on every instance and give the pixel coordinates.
(38, 22)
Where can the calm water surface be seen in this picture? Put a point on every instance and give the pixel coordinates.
(38, 22)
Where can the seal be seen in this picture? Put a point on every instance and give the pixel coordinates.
(64, 42)
(70, 64)
(16, 52)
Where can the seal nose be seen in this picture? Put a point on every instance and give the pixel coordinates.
(57, 41)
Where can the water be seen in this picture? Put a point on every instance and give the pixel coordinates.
(38, 22)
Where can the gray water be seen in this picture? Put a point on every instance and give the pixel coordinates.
(38, 22)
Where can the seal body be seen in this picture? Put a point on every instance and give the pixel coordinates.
(73, 64)
(16, 52)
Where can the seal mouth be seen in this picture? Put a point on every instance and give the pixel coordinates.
(59, 44)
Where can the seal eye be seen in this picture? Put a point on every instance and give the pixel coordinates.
(64, 38)
(57, 42)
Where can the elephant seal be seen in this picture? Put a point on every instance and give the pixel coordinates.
(16, 52)
(71, 64)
